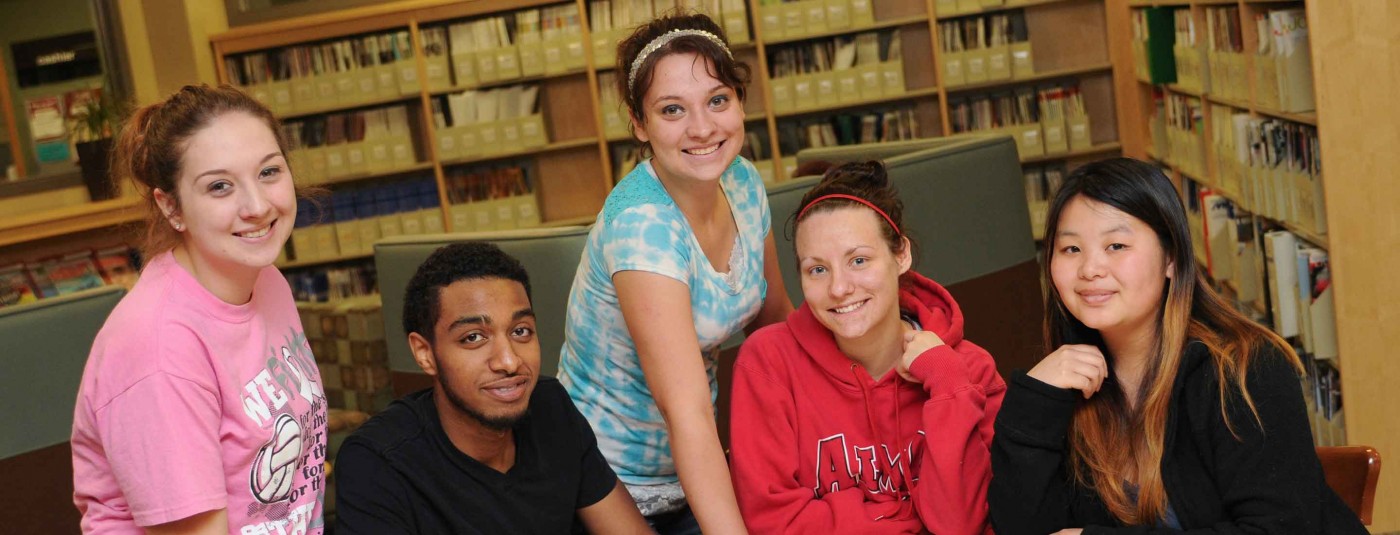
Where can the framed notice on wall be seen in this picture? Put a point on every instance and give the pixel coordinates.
(46, 126)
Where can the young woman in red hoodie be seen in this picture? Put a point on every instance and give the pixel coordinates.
(866, 411)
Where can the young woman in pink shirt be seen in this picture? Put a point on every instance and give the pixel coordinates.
(201, 409)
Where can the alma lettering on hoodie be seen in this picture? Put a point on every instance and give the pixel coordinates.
(818, 445)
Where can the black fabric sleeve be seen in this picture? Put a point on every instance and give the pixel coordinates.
(596, 477)
(1269, 479)
(369, 496)
(1031, 492)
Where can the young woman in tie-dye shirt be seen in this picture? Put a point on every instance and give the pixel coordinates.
(679, 260)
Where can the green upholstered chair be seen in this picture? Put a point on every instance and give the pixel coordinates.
(550, 255)
(46, 347)
(965, 206)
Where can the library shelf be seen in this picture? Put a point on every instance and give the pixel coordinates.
(1308, 235)
(878, 25)
(1306, 117)
(1102, 148)
(1227, 102)
(1104, 68)
(310, 262)
(295, 264)
(907, 95)
(507, 83)
(1184, 90)
(525, 151)
(1009, 6)
(367, 175)
(70, 219)
(348, 106)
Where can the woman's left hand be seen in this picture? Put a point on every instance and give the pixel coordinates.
(915, 344)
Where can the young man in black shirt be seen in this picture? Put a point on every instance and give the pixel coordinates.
(493, 447)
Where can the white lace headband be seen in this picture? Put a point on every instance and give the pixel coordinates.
(661, 41)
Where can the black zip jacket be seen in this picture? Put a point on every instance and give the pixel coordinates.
(1267, 481)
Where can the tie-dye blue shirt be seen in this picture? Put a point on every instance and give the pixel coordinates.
(642, 229)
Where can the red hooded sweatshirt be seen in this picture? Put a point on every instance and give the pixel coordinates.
(820, 447)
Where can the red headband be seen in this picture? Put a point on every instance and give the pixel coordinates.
(851, 198)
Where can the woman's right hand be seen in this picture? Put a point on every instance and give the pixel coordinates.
(1073, 366)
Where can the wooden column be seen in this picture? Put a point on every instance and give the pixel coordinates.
(1354, 46)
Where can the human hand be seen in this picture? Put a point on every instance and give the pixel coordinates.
(1073, 366)
(915, 344)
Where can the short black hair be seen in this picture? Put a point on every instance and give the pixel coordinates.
(449, 264)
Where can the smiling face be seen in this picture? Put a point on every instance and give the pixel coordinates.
(484, 355)
(1109, 268)
(850, 277)
(695, 123)
(237, 201)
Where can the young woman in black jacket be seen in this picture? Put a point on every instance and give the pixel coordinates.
(1161, 408)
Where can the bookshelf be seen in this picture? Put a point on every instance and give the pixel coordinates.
(1346, 137)
(900, 81)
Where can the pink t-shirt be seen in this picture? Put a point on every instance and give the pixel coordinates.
(189, 404)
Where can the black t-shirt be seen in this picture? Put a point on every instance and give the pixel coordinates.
(399, 473)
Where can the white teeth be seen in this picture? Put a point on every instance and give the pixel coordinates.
(849, 308)
(704, 151)
(256, 233)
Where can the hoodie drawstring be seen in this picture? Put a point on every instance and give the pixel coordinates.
(870, 421)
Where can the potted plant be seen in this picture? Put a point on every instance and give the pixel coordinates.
(94, 123)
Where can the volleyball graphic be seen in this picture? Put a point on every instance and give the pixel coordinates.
(275, 465)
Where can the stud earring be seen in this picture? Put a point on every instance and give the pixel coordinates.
(179, 227)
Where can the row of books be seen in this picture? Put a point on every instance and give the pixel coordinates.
(1280, 280)
(1042, 181)
(354, 218)
(27, 282)
(524, 43)
(323, 283)
(987, 48)
(347, 337)
(611, 21)
(1272, 165)
(1179, 131)
(486, 123)
(340, 72)
(500, 197)
(1283, 66)
(1048, 119)
(616, 124)
(337, 145)
(795, 19)
(868, 126)
(837, 71)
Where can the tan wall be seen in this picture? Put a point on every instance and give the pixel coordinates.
(1355, 46)
(174, 35)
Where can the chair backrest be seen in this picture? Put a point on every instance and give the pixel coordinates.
(550, 255)
(1352, 472)
(965, 205)
(46, 347)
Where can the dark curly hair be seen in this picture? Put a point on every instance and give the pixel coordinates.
(449, 264)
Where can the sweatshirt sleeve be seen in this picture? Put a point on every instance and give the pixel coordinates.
(1269, 478)
(765, 465)
(965, 394)
(1030, 491)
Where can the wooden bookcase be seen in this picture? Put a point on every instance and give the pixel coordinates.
(578, 166)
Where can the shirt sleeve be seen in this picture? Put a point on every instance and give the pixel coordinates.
(650, 238)
(369, 498)
(596, 477)
(161, 438)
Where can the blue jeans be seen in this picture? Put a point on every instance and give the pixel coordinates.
(680, 522)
